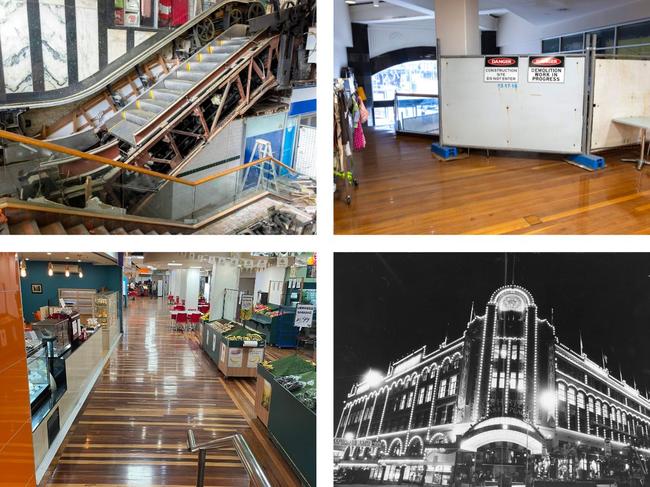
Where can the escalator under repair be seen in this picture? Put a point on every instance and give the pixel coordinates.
(171, 115)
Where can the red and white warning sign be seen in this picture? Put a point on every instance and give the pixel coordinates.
(501, 69)
(546, 69)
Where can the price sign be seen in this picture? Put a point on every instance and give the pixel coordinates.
(304, 316)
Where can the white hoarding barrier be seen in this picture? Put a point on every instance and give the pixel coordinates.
(529, 103)
(621, 89)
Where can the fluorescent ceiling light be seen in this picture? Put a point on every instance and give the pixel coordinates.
(196, 267)
(174, 263)
(350, 2)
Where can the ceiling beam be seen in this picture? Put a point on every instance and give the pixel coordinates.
(423, 7)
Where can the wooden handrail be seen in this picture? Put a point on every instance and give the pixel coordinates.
(43, 144)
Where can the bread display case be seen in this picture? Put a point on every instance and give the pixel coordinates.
(57, 328)
(38, 376)
(106, 313)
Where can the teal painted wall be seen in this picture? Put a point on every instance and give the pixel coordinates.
(95, 277)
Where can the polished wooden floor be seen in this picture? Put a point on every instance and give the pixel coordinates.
(404, 190)
(157, 385)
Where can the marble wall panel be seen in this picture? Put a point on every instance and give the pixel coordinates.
(53, 41)
(14, 38)
(87, 38)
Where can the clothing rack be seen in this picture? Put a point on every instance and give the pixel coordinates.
(346, 118)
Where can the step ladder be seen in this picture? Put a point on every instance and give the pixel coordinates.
(266, 171)
(158, 98)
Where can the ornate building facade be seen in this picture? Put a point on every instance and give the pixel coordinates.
(506, 401)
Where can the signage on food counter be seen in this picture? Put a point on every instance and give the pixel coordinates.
(255, 356)
(501, 69)
(304, 316)
(546, 69)
(246, 310)
(235, 357)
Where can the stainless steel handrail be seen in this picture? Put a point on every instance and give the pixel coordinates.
(244, 452)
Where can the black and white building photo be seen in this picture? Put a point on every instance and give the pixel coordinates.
(490, 369)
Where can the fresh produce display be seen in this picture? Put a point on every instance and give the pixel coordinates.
(236, 332)
(223, 327)
(298, 376)
(264, 310)
(291, 365)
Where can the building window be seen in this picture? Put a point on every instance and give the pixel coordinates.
(402, 402)
(421, 395)
(504, 350)
(456, 362)
(590, 404)
(502, 380)
(514, 352)
(581, 400)
(495, 378)
(452, 385)
(443, 388)
(551, 45)
(605, 411)
(561, 392)
(571, 396)
(571, 43)
(522, 382)
(513, 380)
(429, 392)
(409, 403)
(632, 34)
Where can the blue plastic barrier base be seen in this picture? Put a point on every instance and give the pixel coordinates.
(444, 151)
(587, 161)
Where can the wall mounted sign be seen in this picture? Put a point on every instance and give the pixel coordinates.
(501, 69)
(546, 69)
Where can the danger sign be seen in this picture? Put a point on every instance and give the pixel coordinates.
(546, 69)
(501, 69)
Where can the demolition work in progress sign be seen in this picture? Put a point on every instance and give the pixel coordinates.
(546, 69)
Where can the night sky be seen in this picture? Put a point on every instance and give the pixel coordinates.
(387, 305)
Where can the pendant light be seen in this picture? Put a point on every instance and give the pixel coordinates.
(67, 271)
(50, 269)
(23, 268)
(81, 273)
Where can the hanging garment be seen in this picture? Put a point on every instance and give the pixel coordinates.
(363, 112)
(145, 8)
(164, 13)
(359, 138)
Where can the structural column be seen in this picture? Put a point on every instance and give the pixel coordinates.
(192, 286)
(225, 275)
(457, 27)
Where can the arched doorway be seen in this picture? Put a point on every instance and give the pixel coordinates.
(417, 77)
(502, 450)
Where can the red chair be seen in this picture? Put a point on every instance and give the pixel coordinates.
(181, 320)
(194, 321)
(170, 300)
(179, 307)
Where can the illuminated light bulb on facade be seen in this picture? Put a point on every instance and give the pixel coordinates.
(50, 269)
(67, 271)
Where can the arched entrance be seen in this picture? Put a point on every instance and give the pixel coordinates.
(501, 450)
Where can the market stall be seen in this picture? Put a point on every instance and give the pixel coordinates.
(235, 348)
(278, 323)
(285, 402)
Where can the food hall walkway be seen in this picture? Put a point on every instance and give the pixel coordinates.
(156, 385)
